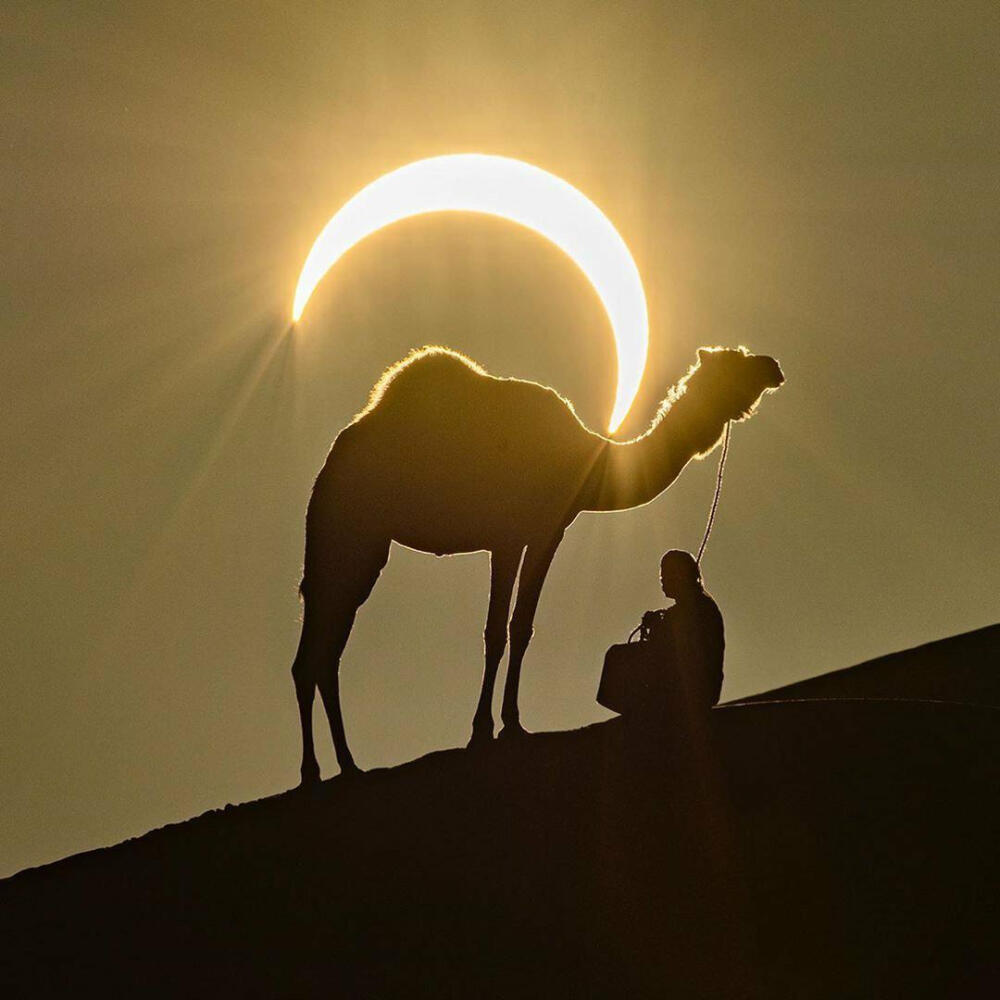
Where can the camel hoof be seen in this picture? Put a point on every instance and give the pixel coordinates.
(512, 732)
(480, 739)
(309, 776)
(350, 770)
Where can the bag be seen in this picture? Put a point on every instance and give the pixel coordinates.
(632, 681)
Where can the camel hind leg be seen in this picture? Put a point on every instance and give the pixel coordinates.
(329, 611)
(305, 689)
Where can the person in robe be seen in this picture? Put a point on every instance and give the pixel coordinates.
(673, 675)
(687, 640)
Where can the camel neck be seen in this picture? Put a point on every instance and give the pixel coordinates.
(633, 473)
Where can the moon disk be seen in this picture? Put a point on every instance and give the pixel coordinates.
(522, 193)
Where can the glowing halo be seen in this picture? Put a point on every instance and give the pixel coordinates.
(514, 190)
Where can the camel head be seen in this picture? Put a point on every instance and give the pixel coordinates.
(733, 381)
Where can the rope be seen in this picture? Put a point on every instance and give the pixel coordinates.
(718, 493)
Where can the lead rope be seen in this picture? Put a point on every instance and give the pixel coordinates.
(718, 493)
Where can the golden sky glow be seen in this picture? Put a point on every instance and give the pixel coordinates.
(522, 193)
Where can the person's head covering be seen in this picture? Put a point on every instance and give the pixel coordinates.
(680, 567)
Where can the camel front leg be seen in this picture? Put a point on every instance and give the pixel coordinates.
(537, 560)
(503, 573)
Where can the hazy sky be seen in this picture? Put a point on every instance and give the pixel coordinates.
(818, 182)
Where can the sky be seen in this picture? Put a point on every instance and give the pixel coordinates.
(816, 182)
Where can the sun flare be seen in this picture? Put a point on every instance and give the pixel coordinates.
(522, 193)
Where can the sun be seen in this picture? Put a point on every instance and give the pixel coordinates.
(521, 193)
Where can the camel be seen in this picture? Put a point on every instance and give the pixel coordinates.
(445, 459)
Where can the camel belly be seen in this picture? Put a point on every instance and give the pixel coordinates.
(438, 547)
(442, 530)
(442, 493)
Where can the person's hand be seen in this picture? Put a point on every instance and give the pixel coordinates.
(649, 619)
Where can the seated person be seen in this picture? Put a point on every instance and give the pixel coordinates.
(688, 638)
(674, 673)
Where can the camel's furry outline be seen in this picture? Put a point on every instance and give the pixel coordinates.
(417, 354)
(435, 351)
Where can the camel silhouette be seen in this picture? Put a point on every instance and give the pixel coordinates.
(446, 458)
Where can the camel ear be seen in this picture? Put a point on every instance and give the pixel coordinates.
(703, 353)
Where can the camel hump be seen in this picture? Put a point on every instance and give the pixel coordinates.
(449, 377)
(424, 369)
(432, 359)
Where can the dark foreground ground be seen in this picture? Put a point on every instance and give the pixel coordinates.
(794, 849)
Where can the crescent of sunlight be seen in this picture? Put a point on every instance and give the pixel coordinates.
(522, 193)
